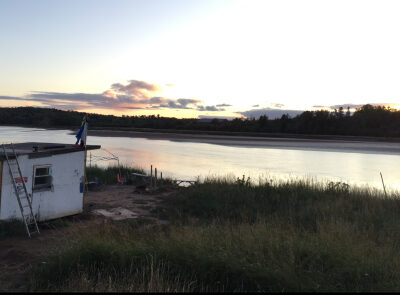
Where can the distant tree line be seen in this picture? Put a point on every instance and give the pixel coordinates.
(366, 121)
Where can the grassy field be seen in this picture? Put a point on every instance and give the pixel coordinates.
(12, 228)
(232, 235)
(108, 175)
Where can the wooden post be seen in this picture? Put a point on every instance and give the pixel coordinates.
(151, 176)
(155, 177)
(383, 184)
(1, 177)
(84, 169)
(161, 182)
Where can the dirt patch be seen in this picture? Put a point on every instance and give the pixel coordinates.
(116, 213)
(19, 254)
(123, 201)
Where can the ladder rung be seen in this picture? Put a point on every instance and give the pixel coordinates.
(20, 190)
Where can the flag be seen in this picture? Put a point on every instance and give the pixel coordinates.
(82, 132)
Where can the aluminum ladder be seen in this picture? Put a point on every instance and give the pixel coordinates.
(23, 197)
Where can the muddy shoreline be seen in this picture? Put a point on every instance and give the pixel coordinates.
(333, 143)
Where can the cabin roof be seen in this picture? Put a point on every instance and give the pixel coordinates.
(43, 149)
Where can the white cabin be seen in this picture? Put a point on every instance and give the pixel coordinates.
(53, 175)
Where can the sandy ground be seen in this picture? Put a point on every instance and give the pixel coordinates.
(336, 143)
(123, 201)
(18, 254)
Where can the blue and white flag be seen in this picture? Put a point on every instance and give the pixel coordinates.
(82, 132)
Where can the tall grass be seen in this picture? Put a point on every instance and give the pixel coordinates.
(108, 175)
(231, 235)
(300, 203)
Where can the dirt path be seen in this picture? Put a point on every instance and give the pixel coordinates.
(18, 254)
(121, 201)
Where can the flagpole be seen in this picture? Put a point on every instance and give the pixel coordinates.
(84, 169)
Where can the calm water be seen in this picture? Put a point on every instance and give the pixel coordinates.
(187, 160)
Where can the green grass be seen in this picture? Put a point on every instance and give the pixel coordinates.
(108, 175)
(231, 235)
(12, 228)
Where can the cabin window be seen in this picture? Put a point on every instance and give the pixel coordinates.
(42, 177)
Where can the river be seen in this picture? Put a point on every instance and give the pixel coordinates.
(354, 162)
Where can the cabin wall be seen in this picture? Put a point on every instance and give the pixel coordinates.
(64, 198)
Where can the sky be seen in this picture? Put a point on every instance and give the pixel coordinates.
(203, 58)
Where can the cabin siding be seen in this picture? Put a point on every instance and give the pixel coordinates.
(64, 198)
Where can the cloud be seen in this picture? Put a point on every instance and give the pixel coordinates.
(11, 98)
(187, 101)
(134, 95)
(156, 99)
(223, 105)
(209, 108)
(134, 108)
(135, 87)
(277, 105)
(173, 105)
(269, 112)
(319, 106)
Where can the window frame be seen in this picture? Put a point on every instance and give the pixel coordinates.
(48, 185)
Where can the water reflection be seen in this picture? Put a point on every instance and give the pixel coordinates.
(187, 160)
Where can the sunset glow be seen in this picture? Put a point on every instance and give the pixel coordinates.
(199, 58)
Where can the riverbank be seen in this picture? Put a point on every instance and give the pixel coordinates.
(177, 133)
(227, 235)
(377, 145)
(338, 143)
(164, 133)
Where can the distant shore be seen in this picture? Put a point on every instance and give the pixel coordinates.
(343, 143)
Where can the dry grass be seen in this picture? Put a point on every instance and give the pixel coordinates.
(231, 235)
